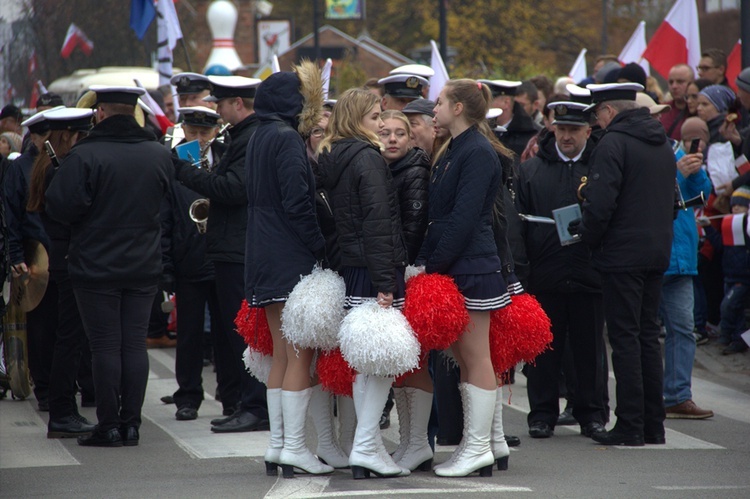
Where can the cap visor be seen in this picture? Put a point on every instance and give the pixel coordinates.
(210, 98)
(570, 122)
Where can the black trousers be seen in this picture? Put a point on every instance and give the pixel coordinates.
(41, 329)
(116, 323)
(578, 321)
(71, 358)
(631, 304)
(446, 377)
(191, 307)
(235, 383)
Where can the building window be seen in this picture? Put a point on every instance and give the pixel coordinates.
(721, 5)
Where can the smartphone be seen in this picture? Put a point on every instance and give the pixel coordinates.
(694, 145)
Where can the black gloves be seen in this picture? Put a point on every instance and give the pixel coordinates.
(167, 283)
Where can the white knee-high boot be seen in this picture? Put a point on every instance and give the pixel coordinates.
(500, 449)
(368, 453)
(418, 454)
(276, 439)
(400, 397)
(295, 453)
(475, 453)
(347, 422)
(321, 411)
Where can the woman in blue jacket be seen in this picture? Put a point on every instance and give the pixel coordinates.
(460, 243)
(283, 241)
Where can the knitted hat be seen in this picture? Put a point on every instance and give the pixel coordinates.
(695, 128)
(743, 79)
(14, 140)
(632, 72)
(740, 197)
(720, 96)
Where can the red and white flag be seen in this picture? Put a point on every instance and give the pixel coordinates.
(578, 71)
(677, 41)
(440, 78)
(734, 65)
(326, 74)
(733, 230)
(633, 50)
(159, 118)
(76, 38)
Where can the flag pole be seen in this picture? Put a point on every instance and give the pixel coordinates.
(187, 56)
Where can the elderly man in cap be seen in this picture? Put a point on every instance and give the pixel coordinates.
(109, 190)
(627, 222)
(243, 397)
(420, 113)
(561, 277)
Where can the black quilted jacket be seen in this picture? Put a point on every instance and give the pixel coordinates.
(365, 207)
(411, 176)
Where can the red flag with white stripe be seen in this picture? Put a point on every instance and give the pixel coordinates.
(734, 65)
(677, 40)
(159, 118)
(76, 38)
(733, 230)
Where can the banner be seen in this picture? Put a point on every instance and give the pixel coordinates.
(345, 9)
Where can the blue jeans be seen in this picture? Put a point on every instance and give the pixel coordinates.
(733, 310)
(676, 310)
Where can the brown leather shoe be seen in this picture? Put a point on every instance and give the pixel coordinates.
(161, 342)
(688, 410)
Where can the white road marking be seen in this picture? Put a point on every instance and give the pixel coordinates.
(23, 439)
(299, 486)
(701, 487)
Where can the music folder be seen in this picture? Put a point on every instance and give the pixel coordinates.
(563, 216)
(190, 151)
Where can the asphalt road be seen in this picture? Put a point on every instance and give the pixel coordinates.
(702, 459)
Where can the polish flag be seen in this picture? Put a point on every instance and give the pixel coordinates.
(578, 71)
(326, 75)
(677, 41)
(734, 65)
(76, 38)
(159, 119)
(633, 50)
(440, 78)
(733, 230)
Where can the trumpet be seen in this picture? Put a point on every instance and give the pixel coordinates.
(198, 213)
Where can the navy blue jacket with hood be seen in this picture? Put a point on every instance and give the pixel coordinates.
(283, 239)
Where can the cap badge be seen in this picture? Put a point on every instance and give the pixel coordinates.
(561, 110)
(412, 82)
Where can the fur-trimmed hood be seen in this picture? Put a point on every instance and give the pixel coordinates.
(294, 97)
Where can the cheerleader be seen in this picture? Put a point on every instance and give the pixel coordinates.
(284, 241)
(373, 254)
(460, 243)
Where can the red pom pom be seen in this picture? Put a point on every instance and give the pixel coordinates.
(436, 310)
(252, 325)
(334, 373)
(518, 332)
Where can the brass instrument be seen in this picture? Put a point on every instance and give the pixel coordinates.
(198, 212)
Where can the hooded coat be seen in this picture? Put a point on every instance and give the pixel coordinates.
(411, 176)
(365, 206)
(545, 183)
(283, 238)
(109, 190)
(629, 207)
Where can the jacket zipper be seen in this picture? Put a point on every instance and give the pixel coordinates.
(328, 206)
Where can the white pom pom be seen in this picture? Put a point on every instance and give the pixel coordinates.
(378, 341)
(257, 364)
(314, 310)
(411, 271)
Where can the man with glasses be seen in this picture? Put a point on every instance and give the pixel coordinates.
(627, 222)
(713, 66)
(679, 79)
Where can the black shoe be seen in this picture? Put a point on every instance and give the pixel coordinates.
(566, 418)
(540, 429)
(69, 427)
(655, 439)
(167, 399)
(614, 437)
(109, 438)
(736, 346)
(187, 413)
(130, 436)
(385, 421)
(592, 428)
(242, 421)
(229, 413)
(511, 440)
